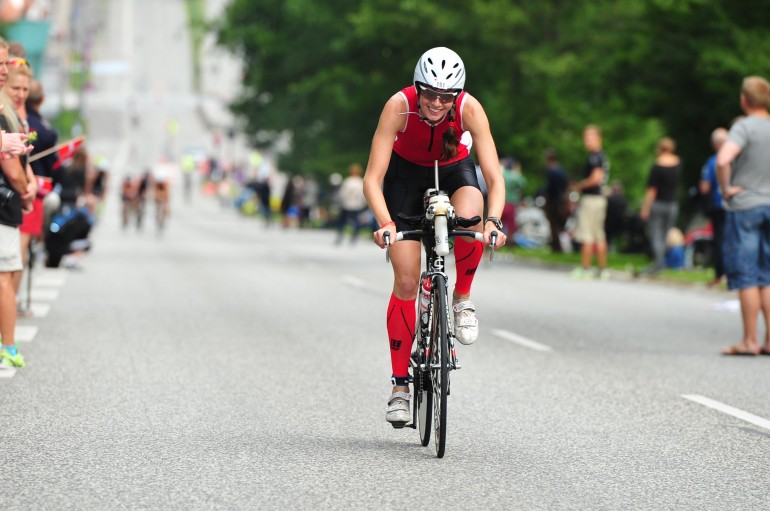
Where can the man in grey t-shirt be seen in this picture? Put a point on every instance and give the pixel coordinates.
(743, 171)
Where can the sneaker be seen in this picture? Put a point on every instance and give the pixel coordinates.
(466, 323)
(398, 412)
(581, 273)
(8, 360)
(603, 274)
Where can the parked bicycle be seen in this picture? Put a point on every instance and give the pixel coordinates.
(434, 354)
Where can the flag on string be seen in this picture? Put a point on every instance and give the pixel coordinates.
(67, 150)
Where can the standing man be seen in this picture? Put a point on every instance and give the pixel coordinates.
(715, 211)
(743, 170)
(592, 209)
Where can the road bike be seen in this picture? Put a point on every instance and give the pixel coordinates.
(434, 354)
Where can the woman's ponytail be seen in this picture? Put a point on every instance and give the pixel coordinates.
(449, 141)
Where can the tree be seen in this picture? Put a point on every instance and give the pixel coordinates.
(321, 71)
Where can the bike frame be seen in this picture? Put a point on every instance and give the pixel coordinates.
(437, 225)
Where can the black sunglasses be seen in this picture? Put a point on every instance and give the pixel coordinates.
(432, 95)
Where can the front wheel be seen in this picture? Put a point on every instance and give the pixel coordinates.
(439, 364)
(423, 398)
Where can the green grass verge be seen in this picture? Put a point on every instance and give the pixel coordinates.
(619, 262)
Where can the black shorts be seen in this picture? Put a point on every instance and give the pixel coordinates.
(405, 183)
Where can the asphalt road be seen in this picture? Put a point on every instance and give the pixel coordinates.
(225, 365)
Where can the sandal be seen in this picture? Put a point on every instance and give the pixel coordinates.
(398, 412)
(738, 352)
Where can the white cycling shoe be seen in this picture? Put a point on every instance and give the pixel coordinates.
(466, 323)
(399, 411)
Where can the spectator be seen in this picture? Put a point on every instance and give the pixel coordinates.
(308, 201)
(16, 89)
(71, 180)
(715, 211)
(17, 193)
(556, 200)
(616, 222)
(291, 201)
(742, 164)
(660, 207)
(352, 202)
(592, 209)
(46, 134)
(514, 190)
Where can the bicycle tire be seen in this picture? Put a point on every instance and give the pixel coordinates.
(439, 365)
(423, 400)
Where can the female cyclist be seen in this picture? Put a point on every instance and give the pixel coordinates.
(432, 119)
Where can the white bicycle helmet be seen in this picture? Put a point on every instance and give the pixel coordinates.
(440, 68)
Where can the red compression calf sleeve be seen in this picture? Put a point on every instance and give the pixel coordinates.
(468, 255)
(401, 320)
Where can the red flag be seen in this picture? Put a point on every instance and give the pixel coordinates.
(67, 151)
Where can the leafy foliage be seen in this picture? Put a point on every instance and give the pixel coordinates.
(321, 72)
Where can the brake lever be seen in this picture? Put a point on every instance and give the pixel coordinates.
(386, 237)
(492, 243)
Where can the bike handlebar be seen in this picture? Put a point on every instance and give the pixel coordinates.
(417, 234)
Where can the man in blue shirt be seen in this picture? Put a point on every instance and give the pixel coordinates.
(715, 211)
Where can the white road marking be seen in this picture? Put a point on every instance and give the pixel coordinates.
(39, 310)
(25, 333)
(729, 410)
(521, 341)
(354, 281)
(7, 372)
(48, 280)
(44, 295)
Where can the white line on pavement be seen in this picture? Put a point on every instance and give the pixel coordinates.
(521, 341)
(49, 280)
(25, 333)
(354, 281)
(7, 372)
(39, 310)
(44, 295)
(729, 410)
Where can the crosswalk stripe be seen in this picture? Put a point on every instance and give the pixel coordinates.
(44, 295)
(25, 333)
(45, 289)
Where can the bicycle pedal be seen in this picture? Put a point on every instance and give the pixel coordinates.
(458, 365)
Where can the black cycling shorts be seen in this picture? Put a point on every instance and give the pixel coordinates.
(405, 184)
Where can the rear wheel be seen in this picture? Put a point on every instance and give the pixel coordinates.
(439, 364)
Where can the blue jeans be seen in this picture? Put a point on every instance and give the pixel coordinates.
(746, 248)
(348, 216)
